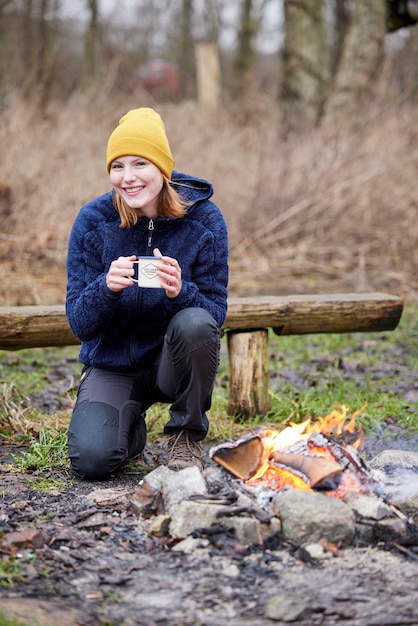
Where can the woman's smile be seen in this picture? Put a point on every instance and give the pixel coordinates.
(138, 181)
(133, 190)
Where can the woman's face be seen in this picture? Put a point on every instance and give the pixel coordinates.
(138, 181)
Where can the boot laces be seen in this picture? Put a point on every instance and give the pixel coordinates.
(183, 452)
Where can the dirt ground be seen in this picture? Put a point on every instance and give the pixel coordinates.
(85, 559)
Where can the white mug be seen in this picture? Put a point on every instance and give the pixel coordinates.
(147, 271)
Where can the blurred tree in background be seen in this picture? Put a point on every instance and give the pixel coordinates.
(185, 54)
(301, 112)
(361, 56)
(91, 46)
(247, 28)
(326, 55)
(306, 62)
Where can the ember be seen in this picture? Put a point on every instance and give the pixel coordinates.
(311, 455)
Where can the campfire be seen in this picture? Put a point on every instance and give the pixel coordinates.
(277, 490)
(314, 455)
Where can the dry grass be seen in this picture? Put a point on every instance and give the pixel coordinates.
(19, 420)
(333, 210)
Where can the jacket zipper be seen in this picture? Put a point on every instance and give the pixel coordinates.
(139, 291)
(150, 232)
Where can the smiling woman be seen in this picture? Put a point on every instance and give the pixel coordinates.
(140, 163)
(139, 345)
(138, 182)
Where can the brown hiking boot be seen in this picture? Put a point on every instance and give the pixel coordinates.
(183, 452)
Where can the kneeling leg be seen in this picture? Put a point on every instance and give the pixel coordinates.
(101, 438)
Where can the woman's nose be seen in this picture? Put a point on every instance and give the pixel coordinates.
(129, 173)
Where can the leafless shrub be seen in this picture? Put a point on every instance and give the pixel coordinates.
(14, 414)
(18, 416)
(332, 210)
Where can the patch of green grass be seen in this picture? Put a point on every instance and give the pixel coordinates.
(348, 369)
(288, 405)
(44, 454)
(354, 370)
(26, 373)
(333, 390)
(28, 369)
(5, 621)
(47, 452)
(47, 484)
(11, 573)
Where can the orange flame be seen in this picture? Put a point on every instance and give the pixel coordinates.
(335, 423)
(332, 424)
(277, 478)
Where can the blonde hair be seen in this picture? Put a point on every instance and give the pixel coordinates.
(170, 204)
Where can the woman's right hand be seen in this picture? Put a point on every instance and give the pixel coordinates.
(119, 272)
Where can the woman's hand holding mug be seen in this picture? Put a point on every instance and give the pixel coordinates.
(121, 274)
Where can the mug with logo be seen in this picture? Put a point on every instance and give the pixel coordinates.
(148, 271)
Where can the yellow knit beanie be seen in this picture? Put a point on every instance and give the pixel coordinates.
(141, 132)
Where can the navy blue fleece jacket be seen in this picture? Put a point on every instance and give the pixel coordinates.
(124, 329)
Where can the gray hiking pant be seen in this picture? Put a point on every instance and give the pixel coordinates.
(108, 422)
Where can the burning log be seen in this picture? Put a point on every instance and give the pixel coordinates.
(313, 470)
(243, 458)
(316, 463)
(301, 457)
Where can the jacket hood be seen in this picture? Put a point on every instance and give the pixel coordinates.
(191, 188)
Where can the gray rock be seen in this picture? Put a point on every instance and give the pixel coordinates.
(190, 545)
(389, 460)
(287, 608)
(399, 475)
(248, 530)
(317, 551)
(308, 516)
(367, 507)
(157, 477)
(109, 496)
(187, 516)
(179, 486)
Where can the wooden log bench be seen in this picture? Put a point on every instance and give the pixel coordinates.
(246, 325)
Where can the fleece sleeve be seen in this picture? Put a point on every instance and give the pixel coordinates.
(90, 305)
(209, 287)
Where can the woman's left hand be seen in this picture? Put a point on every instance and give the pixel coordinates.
(170, 274)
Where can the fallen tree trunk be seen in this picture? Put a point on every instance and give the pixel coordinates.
(312, 314)
(41, 326)
(34, 326)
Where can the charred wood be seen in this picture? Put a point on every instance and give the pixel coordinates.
(396, 531)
